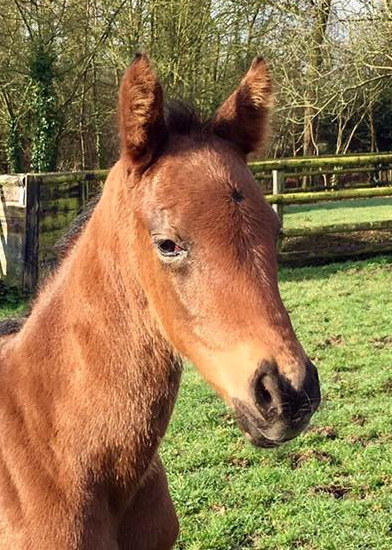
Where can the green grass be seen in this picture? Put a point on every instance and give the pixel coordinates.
(331, 487)
(330, 213)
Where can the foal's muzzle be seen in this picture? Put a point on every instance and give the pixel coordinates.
(277, 412)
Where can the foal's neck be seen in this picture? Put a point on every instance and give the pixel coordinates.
(92, 335)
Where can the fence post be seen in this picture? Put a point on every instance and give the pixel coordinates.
(277, 189)
(30, 271)
(83, 192)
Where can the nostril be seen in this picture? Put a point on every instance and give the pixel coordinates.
(266, 392)
(263, 396)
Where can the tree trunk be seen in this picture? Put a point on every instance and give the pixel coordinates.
(373, 131)
(322, 10)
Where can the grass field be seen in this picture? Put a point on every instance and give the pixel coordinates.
(334, 212)
(332, 487)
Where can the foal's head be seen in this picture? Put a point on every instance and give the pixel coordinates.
(202, 244)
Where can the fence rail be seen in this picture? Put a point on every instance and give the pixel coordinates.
(323, 162)
(279, 171)
(323, 196)
(36, 209)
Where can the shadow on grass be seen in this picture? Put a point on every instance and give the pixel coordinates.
(302, 273)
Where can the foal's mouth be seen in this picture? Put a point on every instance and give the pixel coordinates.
(261, 441)
(264, 434)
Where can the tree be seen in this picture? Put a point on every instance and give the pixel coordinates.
(61, 63)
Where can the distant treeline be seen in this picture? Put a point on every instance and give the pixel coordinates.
(61, 63)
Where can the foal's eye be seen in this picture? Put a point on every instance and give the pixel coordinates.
(169, 249)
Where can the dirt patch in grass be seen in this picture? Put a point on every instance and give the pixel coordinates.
(325, 432)
(359, 419)
(239, 462)
(361, 440)
(387, 387)
(303, 544)
(371, 438)
(335, 491)
(218, 508)
(382, 342)
(334, 340)
(299, 459)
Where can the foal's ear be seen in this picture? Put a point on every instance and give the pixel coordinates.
(142, 125)
(243, 117)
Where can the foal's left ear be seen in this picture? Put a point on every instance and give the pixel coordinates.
(142, 125)
(243, 117)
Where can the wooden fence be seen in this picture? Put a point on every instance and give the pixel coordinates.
(337, 184)
(36, 209)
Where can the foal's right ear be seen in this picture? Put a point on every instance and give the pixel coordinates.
(142, 125)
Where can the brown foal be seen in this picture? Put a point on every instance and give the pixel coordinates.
(177, 259)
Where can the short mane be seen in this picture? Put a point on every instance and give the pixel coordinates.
(183, 119)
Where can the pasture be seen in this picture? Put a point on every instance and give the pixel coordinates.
(308, 220)
(338, 212)
(331, 487)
